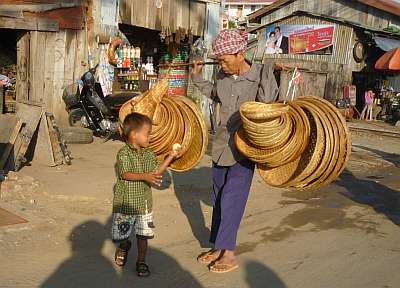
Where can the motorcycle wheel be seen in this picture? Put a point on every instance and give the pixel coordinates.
(75, 118)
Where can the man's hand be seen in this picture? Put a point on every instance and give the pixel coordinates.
(153, 178)
(197, 67)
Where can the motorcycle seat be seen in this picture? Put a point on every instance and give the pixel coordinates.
(119, 98)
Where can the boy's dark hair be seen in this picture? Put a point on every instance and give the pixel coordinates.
(134, 122)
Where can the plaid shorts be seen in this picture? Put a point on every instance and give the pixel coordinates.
(123, 226)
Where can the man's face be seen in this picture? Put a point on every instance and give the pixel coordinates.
(277, 32)
(231, 63)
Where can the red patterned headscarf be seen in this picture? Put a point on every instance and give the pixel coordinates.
(230, 41)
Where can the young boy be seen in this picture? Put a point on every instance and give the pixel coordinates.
(137, 170)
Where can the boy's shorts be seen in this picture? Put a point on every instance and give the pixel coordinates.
(123, 226)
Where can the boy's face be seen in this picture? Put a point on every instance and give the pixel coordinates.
(141, 136)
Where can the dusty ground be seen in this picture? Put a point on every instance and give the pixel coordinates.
(345, 235)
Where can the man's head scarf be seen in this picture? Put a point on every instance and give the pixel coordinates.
(229, 42)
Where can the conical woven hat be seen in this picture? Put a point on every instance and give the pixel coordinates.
(145, 104)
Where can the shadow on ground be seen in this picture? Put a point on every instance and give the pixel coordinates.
(389, 157)
(260, 276)
(192, 189)
(381, 198)
(87, 267)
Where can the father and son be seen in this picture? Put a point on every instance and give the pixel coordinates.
(238, 81)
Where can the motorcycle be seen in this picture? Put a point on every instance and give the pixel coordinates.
(89, 108)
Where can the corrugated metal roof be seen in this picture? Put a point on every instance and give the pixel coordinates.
(384, 5)
(333, 19)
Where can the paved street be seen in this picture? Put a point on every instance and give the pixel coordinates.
(345, 235)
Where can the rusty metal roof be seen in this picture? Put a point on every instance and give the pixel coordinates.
(333, 19)
(384, 5)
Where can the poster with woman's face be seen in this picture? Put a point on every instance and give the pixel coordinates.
(300, 39)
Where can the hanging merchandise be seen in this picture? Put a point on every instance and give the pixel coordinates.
(176, 120)
(105, 72)
(111, 50)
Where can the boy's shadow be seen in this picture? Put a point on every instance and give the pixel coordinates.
(88, 267)
(193, 188)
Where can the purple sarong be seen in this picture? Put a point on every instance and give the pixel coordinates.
(231, 187)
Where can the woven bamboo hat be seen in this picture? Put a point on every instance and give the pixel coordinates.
(342, 144)
(286, 148)
(176, 119)
(326, 152)
(195, 139)
(262, 111)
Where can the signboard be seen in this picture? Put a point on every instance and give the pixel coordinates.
(300, 39)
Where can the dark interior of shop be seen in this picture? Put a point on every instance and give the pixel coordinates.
(8, 66)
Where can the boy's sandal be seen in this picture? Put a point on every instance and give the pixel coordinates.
(142, 270)
(121, 255)
(223, 267)
(207, 257)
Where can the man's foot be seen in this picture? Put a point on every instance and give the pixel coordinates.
(224, 265)
(208, 257)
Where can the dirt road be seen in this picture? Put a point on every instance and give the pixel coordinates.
(345, 235)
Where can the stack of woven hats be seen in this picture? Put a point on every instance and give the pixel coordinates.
(302, 144)
(176, 119)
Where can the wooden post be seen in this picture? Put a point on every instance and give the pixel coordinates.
(23, 68)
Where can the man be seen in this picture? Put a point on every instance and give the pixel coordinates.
(282, 42)
(237, 82)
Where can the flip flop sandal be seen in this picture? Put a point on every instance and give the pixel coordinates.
(207, 258)
(223, 268)
(121, 255)
(142, 270)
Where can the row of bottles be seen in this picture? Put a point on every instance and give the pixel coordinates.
(128, 56)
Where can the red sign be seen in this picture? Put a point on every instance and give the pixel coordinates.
(311, 40)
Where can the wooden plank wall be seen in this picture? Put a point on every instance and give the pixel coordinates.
(47, 62)
(173, 14)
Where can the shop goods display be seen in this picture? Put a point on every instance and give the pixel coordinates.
(176, 120)
(302, 144)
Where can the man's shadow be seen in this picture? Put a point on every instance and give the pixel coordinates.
(260, 276)
(381, 198)
(193, 188)
(390, 157)
(88, 267)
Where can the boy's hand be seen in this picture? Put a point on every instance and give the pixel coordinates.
(153, 178)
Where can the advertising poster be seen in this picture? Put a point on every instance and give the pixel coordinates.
(300, 39)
